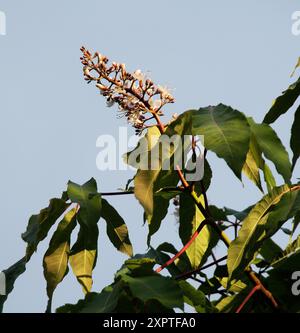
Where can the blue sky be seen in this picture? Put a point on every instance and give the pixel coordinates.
(235, 52)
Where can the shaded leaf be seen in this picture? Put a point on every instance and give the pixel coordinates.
(270, 250)
(160, 288)
(11, 275)
(116, 228)
(283, 103)
(39, 225)
(295, 137)
(88, 199)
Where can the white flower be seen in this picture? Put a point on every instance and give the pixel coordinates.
(138, 75)
(165, 92)
(155, 104)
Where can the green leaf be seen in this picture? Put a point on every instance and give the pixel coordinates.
(295, 137)
(226, 133)
(283, 103)
(162, 173)
(190, 218)
(280, 281)
(106, 301)
(296, 221)
(289, 258)
(84, 252)
(230, 304)
(11, 275)
(116, 228)
(160, 288)
(180, 265)
(239, 215)
(83, 256)
(195, 298)
(56, 258)
(253, 163)
(263, 221)
(297, 66)
(273, 149)
(270, 250)
(87, 197)
(269, 178)
(39, 225)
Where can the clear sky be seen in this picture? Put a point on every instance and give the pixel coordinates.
(235, 52)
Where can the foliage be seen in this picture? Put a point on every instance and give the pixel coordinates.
(257, 274)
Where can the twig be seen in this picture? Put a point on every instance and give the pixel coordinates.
(186, 246)
(116, 193)
(188, 274)
(252, 292)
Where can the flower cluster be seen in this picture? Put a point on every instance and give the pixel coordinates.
(135, 94)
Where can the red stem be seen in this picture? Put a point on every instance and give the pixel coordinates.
(195, 234)
(252, 292)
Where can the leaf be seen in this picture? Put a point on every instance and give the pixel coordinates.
(180, 265)
(195, 298)
(297, 65)
(289, 258)
(162, 172)
(116, 228)
(88, 199)
(239, 215)
(190, 218)
(283, 103)
(160, 288)
(11, 275)
(39, 225)
(270, 250)
(226, 133)
(266, 217)
(295, 137)
(269, 143)
(84, 252)
(253, 163)
(230, 304)
(83, 256)
(218, 214)
(296, 221)
(55, 260)
(280, 281)
(269, 178)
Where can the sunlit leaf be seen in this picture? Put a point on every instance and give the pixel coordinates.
(266, 217)
(226, 133)
(56, 257)
(83, 254)
(272, 148)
